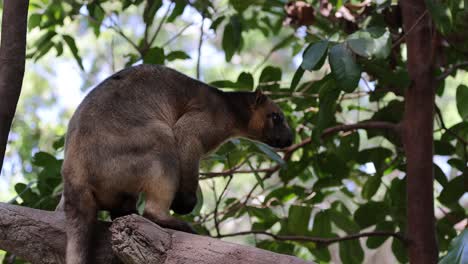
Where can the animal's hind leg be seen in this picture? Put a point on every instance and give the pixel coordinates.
(126, 207)
(80, 211)
(160, 193)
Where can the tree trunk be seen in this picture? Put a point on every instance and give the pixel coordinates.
(39, 237)
(418, 133)
(12, 59)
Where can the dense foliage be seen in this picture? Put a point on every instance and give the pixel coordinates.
(335, 181)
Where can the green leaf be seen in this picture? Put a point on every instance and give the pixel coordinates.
(269, 78)
(320, 253)
(232, 37)
(439, 175)
(34, 21)
(345, 70)
(322, 225)
(74, 50)
(151, 8)
(370, 42)
(26, 193)
(296, 78)
(462, 101)
(154, 55)
(314, 54)
(458, 251)
(370, 214)
(245, 81)
(59, 48)
(441, 14)
(43, 50)
(377, 241)
(376, 155)
(351, 252)
(199, 205)
(45, 39)
(298, 219)
(265, 216)
(177, 55)
(178, 10)
(240, 5)
(97, 13)
(452, 191)
(343, 221)
(283, 194)
(270, 152)
(457, 163)
(44, 159)
(216, 22)
(224, 84)
(141, 203)
(59, 143)
(399, 250)
(371, 186)
(277, 246)
(328, 94)
(443, 148)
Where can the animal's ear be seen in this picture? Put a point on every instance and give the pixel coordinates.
(260, 98)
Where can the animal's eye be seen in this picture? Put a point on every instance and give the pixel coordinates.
(276, 117)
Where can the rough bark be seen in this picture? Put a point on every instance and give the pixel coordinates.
(418, 133)
(39, 237)
(12, 60)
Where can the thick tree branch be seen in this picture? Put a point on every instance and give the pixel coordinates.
(12, 60)
(417, 132)
(39, 237)
(319, 240)
(367, 125)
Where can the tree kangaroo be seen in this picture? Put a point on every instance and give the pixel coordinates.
(144, 129)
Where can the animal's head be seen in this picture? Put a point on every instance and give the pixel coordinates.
(268, 124)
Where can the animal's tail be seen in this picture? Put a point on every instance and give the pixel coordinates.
(80, 211)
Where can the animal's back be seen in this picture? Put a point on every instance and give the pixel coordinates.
(136, 95)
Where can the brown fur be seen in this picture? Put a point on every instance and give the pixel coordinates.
(144, 129)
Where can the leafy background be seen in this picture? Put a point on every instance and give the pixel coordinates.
(325, 64)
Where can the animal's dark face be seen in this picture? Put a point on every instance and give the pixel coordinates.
(268, 124)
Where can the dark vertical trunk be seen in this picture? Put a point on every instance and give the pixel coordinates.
(12, 59)
(418, 133)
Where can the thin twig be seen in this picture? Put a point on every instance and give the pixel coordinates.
(208, 175)
(318, 240)
(410, 29)
(115, 26)
(450, 70)
(200, 43)
(216, 220)
(442, 124)
(367, 125)
(235, 170)
(176, 35)
(161, 23)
